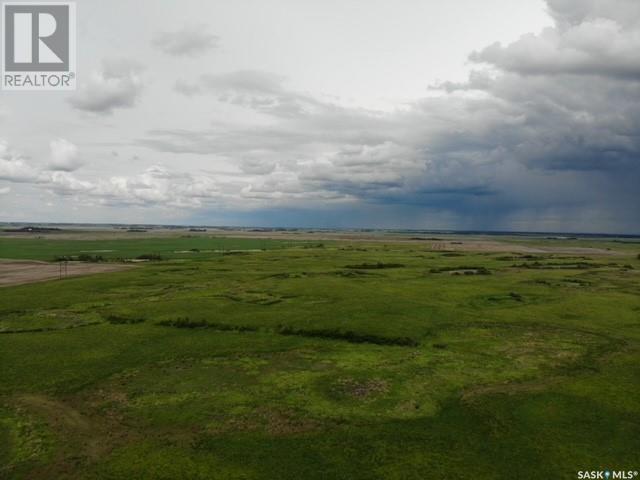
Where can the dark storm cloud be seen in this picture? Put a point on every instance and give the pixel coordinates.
(551, 126)
(568, 13)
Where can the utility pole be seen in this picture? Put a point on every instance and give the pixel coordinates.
(62, 270)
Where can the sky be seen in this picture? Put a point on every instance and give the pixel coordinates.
(493, 115)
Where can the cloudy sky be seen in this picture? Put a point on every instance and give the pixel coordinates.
(495, 115)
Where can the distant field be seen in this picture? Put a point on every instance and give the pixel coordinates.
(168, 247)
(255, 358)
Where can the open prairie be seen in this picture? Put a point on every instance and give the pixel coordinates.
(240, 356)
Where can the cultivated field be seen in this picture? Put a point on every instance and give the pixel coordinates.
(19, 272)
(291, 356)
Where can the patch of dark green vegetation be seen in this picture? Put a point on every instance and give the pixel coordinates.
(374, 266)
(511, 296)
(124, 320)
(49, 329)
(462, 270)
(558, 265)
(511, 258)
(185, 322)
(348, 336)
(576, 282)
(83, 257)
(330, 334)
(149, 257)
(288, 275)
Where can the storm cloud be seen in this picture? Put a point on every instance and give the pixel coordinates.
(543, 134)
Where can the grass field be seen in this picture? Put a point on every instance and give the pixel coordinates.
(265, 359)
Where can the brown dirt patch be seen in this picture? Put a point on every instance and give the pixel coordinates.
(275, 422)
(362, 389)
(28, 271)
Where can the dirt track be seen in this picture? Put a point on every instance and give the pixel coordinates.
(17, 272)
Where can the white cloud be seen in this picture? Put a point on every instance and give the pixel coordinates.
(261, 91)
(64, 156)
(14, 167)
(598, 46)
(190, 40)
(117, 85)
(257, 163)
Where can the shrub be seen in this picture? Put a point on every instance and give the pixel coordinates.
(83, 257)
(90, 258)
(149, 256)
(122, 320)
(516, 296)
(465, 269)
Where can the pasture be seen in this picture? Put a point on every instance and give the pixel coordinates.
(254, 358)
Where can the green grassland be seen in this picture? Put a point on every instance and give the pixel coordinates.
(320, 360)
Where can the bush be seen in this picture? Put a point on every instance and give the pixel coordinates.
(516, 296)
(149, 256)
(122, 320)
(465, 269)
(83, 257)
(90, 258)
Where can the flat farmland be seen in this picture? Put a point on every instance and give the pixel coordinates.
(242, 358)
